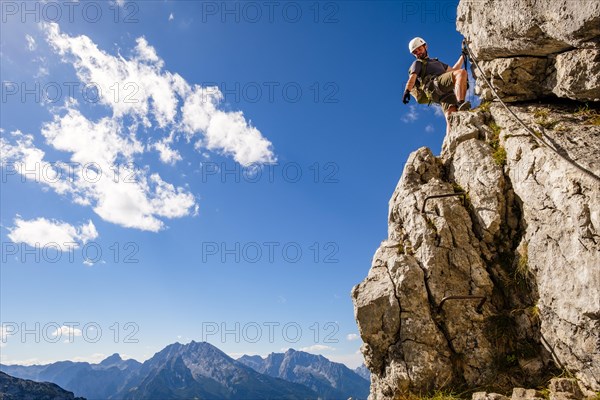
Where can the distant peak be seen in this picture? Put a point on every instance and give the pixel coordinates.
(112, 359)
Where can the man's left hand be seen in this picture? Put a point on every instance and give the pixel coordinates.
(406, 97)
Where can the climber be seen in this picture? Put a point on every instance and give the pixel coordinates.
(431, 80)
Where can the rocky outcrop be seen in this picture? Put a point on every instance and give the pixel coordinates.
(530, 49)
(12, 388)
(526, 239)
(497, 283)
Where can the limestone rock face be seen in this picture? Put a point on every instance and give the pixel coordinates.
(561, 206)
(577, 75)
(515, 78)
(526, 238)
(530, 48)
(490, 274)
(528, 27)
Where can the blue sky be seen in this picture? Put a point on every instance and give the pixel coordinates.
(198, 170)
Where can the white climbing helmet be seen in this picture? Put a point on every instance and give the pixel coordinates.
(416, 42)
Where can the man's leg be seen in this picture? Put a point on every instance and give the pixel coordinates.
(460, 84)
(448, 109)
(454, 84)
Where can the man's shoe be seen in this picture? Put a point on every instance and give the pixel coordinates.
(464, 106)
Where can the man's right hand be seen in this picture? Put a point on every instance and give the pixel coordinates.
(406, 97)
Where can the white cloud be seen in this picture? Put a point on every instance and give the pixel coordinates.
(88, 232)
(68, 332)
(224, 132)
(139, 203)
(102, 143)
(171, 17)
(31, 45)
(42, 72)
(139, 87)
(42, 232)
(92, 359)
(317, 348)
(437, 111)
(24, 158)
(429, 128)
(95, 358)
(230, 134)
(352, 337)
(147, 53)
(352, 360)
(412, 114)
(97, 167)
(29, 361)
(130, 87)
(100, 172)
(167, 154)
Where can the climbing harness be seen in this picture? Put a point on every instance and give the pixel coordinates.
(419, 90)
(536, 136)
(427, 89)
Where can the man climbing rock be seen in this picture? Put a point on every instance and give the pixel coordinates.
(432, 81)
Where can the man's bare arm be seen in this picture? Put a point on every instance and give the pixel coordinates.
(409, 85)
(458, 64)
(411, 82)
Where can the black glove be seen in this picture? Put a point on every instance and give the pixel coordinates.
(406, 97)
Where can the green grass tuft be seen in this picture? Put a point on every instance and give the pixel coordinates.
(541, 118)
(484, 106)
(584, 111)
(534, 312)
(499, 154)
(592, 117)
(522, 267)
(400, 248)
(495, 129)
(541, 113)
(595, 120)
(437, 395)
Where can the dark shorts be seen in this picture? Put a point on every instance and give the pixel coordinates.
(447, 85)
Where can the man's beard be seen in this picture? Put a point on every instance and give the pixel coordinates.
(423, 56)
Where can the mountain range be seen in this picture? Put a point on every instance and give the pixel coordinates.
(363, 371)
(329, 380)
(202, 371)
